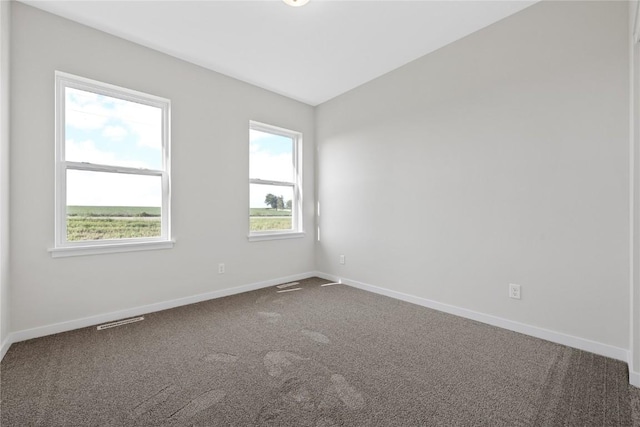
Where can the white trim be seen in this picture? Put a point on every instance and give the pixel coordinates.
(297, 225)
(275, 236)
(326, 276)
(70, 325)
(5, 175)
(95, 249)
(62, 165)
(274, 183)
(5, 346)
(633, 210)
(534, 331)
(635, 28)
(634, 378)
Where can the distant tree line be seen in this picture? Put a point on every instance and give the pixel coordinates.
(276, 202)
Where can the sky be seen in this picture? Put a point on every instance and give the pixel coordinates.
(271, 158)
(109, 131)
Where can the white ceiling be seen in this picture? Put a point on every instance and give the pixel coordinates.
(311, 53)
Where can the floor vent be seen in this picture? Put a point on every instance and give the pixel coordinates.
(289, 290)
(287, 285)
(120, 323)
(331, 284)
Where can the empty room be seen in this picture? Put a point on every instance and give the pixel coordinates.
(319, 213)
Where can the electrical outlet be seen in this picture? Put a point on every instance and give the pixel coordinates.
(514, 291)
(220, 268)
(342, 259)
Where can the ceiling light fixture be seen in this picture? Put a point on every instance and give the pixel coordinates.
(296, 3)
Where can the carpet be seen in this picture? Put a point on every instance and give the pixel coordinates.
(318, 356)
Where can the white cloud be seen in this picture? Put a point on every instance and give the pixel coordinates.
(84, 111)
(273, 168)
(86, 151)
(115, 133)
(143, 120)
(89, 111)
(86, 188)
(278, 167)
(148, 135)
(116, 119)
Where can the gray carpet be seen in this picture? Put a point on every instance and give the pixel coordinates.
(320, 356)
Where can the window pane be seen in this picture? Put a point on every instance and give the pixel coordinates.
(110, 131)
(103, 205)
(270, 207)
(271, 156)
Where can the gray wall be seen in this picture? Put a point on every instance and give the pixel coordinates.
(634, 362)
(210, 118)
(501, 158)
(5, 10)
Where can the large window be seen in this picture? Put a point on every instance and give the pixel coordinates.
(275, 195)
(112, 168)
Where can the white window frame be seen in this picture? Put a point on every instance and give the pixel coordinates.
(63, 247)
(297, 229)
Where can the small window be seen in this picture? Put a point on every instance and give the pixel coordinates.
(112, 168)
(275, 195)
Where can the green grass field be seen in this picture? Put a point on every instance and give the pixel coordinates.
(267, 219)
(112, 222)
(269, 224)
(126, 222)
(88, 228)
(268, 212)
(112, 211)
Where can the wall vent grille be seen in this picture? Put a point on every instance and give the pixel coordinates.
(120, 323)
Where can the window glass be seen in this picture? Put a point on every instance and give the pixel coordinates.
(271, 157)
(274, 181)
(270, 207)
(112, 174)
(109, 131)
(112, 205)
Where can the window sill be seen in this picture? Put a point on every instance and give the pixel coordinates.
(109, 249)
(276, 236)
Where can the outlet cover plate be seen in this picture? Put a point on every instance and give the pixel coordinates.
(514, 291)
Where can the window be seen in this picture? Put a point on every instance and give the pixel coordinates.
(275, 195)
(112, 168)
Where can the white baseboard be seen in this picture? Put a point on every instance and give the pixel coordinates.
(534, 331)
(137, 311)
(634, 378)
(5, 346)
(326, 276)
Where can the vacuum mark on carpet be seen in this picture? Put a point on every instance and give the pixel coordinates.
(325, 422)
(347, 394)
(276, 361)
(316, 336)
(156, 399)
(295, 391)
(200, 403)
(270, 317)
(292, 404)
(221, 357)
(262, 299)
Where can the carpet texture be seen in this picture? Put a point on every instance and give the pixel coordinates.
(319, 356)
